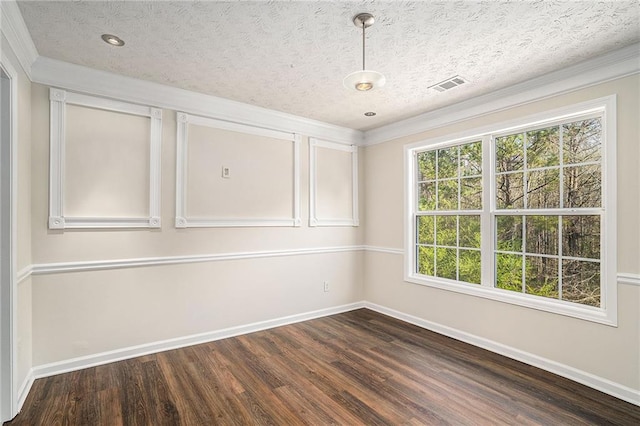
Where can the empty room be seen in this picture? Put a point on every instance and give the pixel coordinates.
(319, 212)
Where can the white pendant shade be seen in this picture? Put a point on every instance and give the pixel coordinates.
(364, 80)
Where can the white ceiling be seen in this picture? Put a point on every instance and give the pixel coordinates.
(293, 56)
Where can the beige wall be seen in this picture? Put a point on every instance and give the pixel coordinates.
(261, 175)
(84, 313)
(612, 353)
(24, 317)
(95, 139)
(334, 193)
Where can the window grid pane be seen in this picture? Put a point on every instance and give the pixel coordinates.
(554, 168)
(449, 184)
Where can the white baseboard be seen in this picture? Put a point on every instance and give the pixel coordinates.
(617, 390)
(79, 363)
(604, 385)
(24, 391)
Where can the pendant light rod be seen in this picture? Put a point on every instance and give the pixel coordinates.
(363, 20)
(363, 38)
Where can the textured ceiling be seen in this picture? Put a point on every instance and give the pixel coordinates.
(293, 56)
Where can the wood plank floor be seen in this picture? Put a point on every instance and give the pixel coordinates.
(355, 368)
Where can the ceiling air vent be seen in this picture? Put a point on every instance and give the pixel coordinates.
(449, 83)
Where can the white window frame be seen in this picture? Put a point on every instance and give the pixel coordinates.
(314, 220)
(59, 99)
(607, 312)
(183, 220)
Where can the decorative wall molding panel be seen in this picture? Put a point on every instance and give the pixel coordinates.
(315, 200)
(59, 100)
(183, 217)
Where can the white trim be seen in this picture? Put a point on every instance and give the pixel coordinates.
(15, 30)
(388, 250)
(182, 219)
(588, 379)
(630, 279)
(9, 297)
(314, 220)
(57, 219)
(100, 83)
(96, 265)
(24, 390)
(180, 342)
(23, 274)
(191, 222)
(613, 65)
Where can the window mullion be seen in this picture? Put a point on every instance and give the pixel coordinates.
(487, 232)
(560, 237)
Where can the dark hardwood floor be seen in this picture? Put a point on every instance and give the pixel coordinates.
(355, 368)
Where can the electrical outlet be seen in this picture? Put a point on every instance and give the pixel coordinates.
(226, 172)
(326, 286)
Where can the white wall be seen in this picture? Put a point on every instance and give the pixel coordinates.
(610, 353)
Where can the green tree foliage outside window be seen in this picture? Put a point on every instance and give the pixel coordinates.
(546, 226)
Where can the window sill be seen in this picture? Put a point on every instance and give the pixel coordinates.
(588, 313)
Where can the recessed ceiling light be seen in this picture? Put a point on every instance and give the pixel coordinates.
(370, 113)
(112, 40)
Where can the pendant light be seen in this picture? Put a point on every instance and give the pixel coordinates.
(364, 80)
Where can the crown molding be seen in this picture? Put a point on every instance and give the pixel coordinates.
(613, 65)
(101, 83)
(39, 69)
(15, 30)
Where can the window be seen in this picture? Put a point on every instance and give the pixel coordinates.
(522, 214)
(448, 217)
